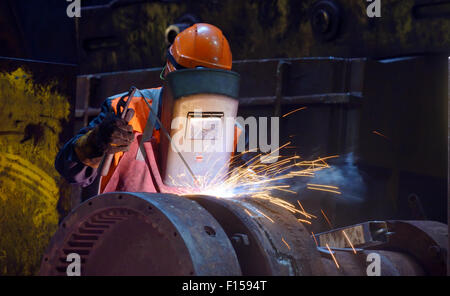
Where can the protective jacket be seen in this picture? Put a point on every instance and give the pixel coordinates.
(78, 172)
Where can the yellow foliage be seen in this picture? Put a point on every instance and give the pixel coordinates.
(29, 136)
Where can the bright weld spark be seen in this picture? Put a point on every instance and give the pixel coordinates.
(323, 189)
(287, 245)
(293, 111)
(321, 185)
(304, 221)
(326, 218)
(301, 207)
(332, 256)
(314, 237)
(248, 213)
(349, 241)
(265, 216)
(380, 134)
(304, 213)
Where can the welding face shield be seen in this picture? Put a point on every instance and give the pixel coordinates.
(199, 108)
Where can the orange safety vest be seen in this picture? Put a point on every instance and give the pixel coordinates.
(138, 122)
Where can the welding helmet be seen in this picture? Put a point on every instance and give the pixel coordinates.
(200, 113)
(201, 45)
(202, 96)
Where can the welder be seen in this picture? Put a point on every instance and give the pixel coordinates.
(201, 45)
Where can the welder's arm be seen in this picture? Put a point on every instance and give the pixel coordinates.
(67, 162)
(78, 160)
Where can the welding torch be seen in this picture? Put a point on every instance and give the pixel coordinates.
(108, 158)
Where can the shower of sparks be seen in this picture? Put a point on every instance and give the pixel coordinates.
(332, 255)
(287, 245)
(326, 218)
(255, 179)
(349, 241)
(293, 111)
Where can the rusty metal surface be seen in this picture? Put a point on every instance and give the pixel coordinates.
(350, 264)
(141, 234)
(426, 241)
(408, 245)
(268, 239)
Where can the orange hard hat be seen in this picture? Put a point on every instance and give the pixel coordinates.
(201, 45)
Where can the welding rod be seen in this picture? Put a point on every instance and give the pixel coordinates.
(107, 158)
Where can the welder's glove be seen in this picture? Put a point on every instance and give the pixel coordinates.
(112, 135)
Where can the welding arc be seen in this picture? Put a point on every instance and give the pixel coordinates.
(166, 133)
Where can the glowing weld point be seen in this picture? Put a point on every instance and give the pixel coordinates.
(332, 256)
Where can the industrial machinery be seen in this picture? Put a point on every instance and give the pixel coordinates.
(162, 234)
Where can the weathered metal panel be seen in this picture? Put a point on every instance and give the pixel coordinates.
(131, 35)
